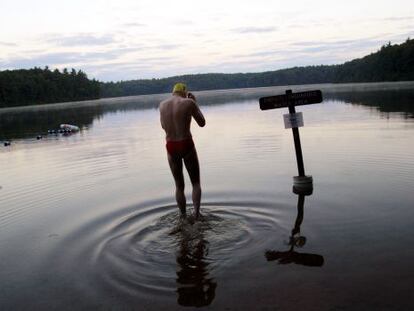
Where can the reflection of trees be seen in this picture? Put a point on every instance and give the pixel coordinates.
(35, 120)
(194, 286)
(296, 240)
(24, 124)
(32, 121)
(385, 101)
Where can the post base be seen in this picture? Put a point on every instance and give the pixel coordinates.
(303, 185)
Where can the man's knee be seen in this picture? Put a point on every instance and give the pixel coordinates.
(197, 186)
(179, 187)
(179, 184)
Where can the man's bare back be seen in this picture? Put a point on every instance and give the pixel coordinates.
(176, 113)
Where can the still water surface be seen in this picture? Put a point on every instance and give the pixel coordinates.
(88, 221)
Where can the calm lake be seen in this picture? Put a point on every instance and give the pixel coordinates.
(89, 221)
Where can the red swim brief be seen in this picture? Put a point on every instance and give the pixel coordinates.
(180, 148)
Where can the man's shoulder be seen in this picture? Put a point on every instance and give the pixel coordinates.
(183, 102)
(189, 104)
(167, 100)
(188, 101)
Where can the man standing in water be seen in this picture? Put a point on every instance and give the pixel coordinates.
(175, 114)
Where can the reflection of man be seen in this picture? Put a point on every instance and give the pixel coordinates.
(176, 113)
(194, 285)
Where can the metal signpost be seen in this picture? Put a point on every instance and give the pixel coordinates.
(294, 120)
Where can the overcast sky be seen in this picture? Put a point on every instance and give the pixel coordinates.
(132, 39)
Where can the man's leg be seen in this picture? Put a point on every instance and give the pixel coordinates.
(193, 168)
(176, 166)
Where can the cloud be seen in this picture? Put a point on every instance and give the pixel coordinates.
(64, 58)
(398, 18)
(117, 72)
(314, 43)
(309, 24)
(80, 39)
(323, 46)
(121, 61)
(140, 68)
(403, 36)
(232, 65)
(266, 53)
(244, 30)
(39, 60)
(160, 59)
(183, 22)
(302, 53)
(134, 24)
(104, 65)
(7, 44)
(281, 62)
(165, 46)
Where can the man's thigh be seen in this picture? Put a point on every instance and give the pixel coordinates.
(176, 166)
(192, 166)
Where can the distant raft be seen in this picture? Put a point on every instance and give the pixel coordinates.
(69, 128)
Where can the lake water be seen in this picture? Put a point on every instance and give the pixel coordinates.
(89, 221)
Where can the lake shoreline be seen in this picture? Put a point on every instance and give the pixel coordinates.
(325, 87)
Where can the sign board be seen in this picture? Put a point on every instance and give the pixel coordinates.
(296, 99)
(293, 120)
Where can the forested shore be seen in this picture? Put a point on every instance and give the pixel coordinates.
(40, 86)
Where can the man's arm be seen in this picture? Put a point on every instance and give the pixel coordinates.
(160, 108)
(197, 114)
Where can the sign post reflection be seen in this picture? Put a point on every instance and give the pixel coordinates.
(296, 240)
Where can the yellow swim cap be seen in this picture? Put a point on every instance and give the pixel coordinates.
(180, 88)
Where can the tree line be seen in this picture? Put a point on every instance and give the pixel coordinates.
(41, 86)
(35, 86)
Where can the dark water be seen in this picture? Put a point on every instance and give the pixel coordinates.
(88, 221)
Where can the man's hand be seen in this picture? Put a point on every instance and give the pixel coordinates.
(191, 96)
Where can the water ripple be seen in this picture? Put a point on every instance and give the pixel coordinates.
(149, 250)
